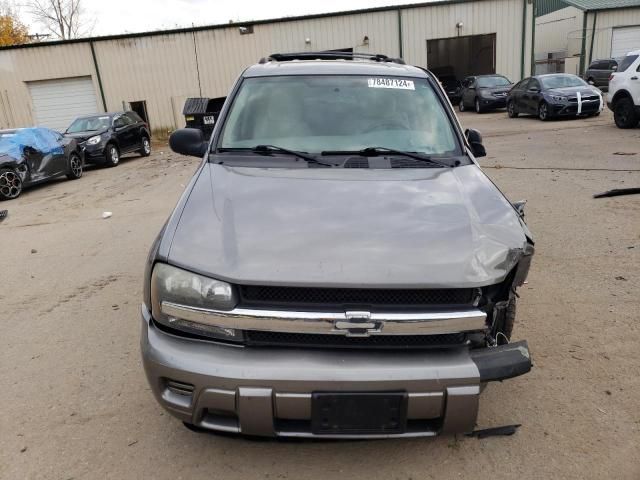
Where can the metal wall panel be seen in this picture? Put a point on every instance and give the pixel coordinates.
(154, 69)
(502, 17)
(224, 53)
(554, 30)
(162, 69)
(31, 64)
(605, 23)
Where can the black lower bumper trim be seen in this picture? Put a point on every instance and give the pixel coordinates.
(502, 362)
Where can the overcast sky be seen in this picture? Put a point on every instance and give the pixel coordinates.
(125, 16)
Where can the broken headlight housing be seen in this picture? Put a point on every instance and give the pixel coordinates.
(95, 140)
(178, 296)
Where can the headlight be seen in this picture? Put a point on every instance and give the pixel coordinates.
(94, 140)
(559, 98)
(171, 286)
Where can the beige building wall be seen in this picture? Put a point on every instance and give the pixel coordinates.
(605, 23)
(562, 30)
(502, 17)
(556, 30)
(161, 69)
(19, 66)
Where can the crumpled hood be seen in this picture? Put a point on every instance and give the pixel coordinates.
(82, 136)
(348, 227)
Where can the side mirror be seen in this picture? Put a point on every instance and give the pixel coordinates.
(614, 67)
(475, 142)
(188, 141)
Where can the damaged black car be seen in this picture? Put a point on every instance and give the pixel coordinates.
(34, 155)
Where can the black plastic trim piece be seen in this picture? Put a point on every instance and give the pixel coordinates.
(502, 362)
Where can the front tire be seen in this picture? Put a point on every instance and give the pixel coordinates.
(113, 155)
(10, 184)
(511, 109)
(75, 167)
(145, 151)
(461, 106)
(543, 111)
(478, 106)
(624, 113)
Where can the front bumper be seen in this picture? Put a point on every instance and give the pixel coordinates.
(93, 153)
(491, 102)
(566, 109)
(268, 391)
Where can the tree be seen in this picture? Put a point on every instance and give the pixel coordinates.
(63, 18)
(12, 31)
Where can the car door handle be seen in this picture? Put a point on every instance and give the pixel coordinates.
(634, 78)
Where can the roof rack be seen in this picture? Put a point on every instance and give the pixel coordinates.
(287, 57)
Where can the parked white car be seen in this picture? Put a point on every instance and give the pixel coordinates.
(624, 91)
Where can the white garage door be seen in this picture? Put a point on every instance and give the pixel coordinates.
(625, 40)
(57, 102)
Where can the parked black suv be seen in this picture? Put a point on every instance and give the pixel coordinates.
(104, 138)
(599, 72)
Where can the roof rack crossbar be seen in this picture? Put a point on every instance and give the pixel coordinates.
(330, 55)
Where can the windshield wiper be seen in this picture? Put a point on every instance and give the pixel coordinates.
(266, 149)
(375, 151)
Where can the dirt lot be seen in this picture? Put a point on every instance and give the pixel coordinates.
(75, 403)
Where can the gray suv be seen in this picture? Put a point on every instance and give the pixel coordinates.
(600, 71)
(339, 266)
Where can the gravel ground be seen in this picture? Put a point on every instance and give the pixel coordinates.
(75, 402)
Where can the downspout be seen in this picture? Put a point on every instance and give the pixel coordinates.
(593, 34)
(524, 37)
(400, 33)
(533, 37)
(583, 50)
(95, 65)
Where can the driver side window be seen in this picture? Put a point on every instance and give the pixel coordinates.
(533, 84)
(119, 122)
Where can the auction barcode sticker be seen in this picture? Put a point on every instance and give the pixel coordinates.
(391, 83)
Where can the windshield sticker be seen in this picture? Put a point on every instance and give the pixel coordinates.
(391, 83)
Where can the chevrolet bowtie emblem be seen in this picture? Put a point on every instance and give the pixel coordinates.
(358, 324)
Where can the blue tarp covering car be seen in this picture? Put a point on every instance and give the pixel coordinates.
(34, 155)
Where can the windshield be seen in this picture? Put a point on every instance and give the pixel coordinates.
(89, 124)
(625, 62)
(347, 113)
(562, 81)
(490, 82)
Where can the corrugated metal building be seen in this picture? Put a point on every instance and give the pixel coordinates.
(50, 83)
(585, 30)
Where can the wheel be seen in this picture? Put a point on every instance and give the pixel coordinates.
(511, 109)
(113, 155)
(504, 329)
(624, 113)
(478, 106)
(145, 151)
(543, 111)
(75, 167)
(461, 105)
(10, 184)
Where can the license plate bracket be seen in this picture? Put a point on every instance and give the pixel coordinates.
(358, 413)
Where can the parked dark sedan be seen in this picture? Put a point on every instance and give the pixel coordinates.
(554, 95)
(104, 138)
(34, 155)
(484, 92)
